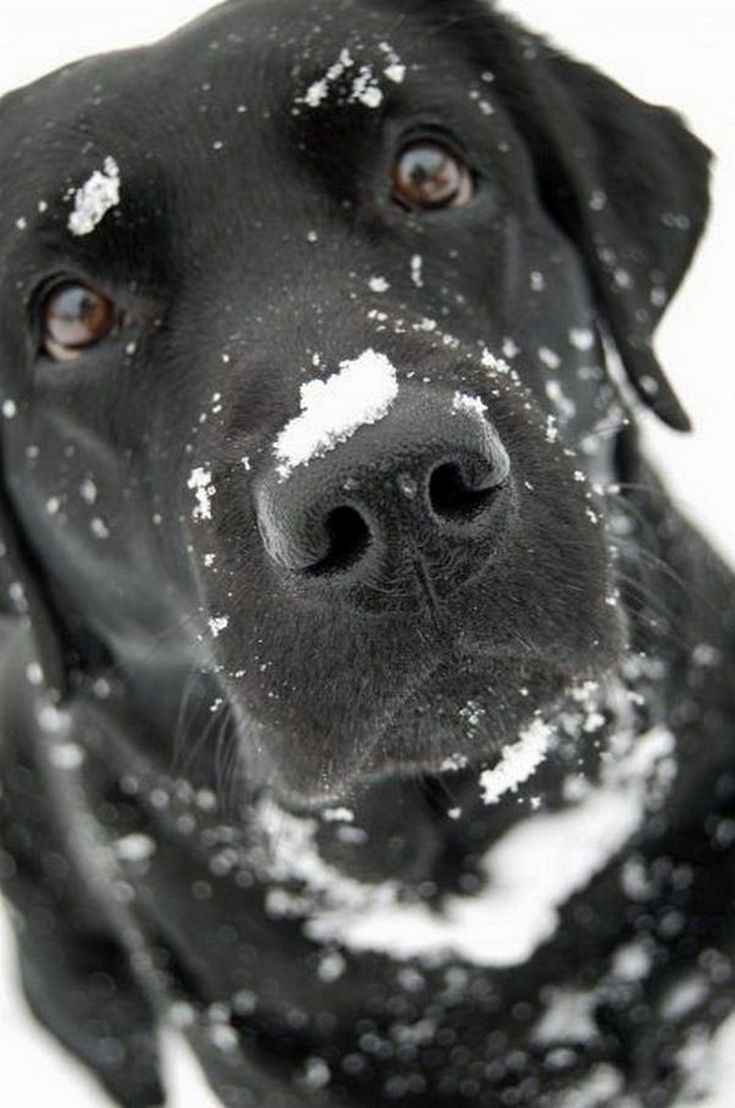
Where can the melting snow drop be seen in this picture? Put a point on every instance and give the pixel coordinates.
(565, 407)
(94, 199)
(603, 1084)
(710, 1068)
(218, 624)
(135, 847)
(66, 755)
(417, 263)
(569, 1018)
(362, 392)
(581, 338)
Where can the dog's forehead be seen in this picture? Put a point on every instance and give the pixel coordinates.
(232, 99)
(272, 33)
(258, 59)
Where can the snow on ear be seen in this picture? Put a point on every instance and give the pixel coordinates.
(625, 180)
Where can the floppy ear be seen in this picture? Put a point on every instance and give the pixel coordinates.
(23, 593)
(627, 183)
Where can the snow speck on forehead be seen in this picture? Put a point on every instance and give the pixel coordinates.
(95, 198)
(319, 90)
(364, 87)
(332, 410)
(395, 69)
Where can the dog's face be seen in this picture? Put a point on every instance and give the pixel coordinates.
(403, 563)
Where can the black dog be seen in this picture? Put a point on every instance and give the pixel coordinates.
(367, 710)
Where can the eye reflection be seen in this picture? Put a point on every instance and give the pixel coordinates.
(428, 175)
(75, 317)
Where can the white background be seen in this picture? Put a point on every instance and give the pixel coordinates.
(666, 51)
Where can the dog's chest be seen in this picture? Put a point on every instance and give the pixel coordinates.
(266, 941)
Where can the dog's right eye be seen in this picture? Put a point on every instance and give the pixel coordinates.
(428, 175)
(74, 317)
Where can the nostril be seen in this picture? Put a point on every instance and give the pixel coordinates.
(349, 537)
(452, 498)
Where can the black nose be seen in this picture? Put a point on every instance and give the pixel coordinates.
(425, 487)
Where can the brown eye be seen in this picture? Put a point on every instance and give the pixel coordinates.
(75, 317)
(428, 175)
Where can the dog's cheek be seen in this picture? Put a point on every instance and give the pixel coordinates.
(90, 518)
(553, 339)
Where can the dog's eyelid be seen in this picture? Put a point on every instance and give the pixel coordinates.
(432, 131)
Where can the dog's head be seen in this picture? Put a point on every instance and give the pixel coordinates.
(304, 373)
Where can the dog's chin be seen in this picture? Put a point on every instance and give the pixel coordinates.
(449, 721)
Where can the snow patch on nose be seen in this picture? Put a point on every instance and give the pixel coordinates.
(362, 393)
(94, 199)
(470, 405)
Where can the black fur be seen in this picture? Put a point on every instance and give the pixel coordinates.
(216, 688)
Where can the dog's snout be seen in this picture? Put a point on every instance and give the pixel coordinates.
(425, 482)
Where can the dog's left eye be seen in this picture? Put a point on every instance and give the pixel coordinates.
(427, 174)
(75, 317)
